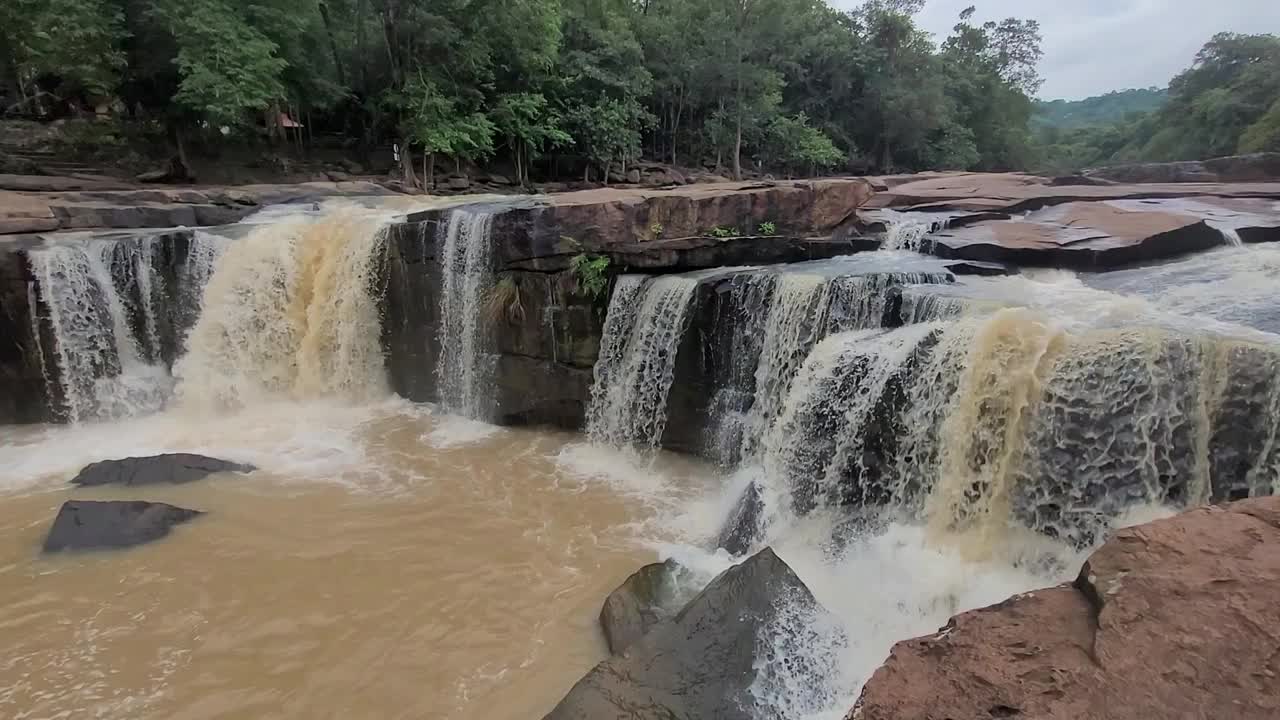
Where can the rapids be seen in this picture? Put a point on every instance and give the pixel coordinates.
(400, 560)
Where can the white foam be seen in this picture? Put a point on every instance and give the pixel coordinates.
(451, 431)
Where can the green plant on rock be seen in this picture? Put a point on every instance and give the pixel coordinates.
(656, 230)
(502, 302)
(591, 274)
(724, 232)
(767, 228)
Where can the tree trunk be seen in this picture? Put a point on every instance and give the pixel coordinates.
(675, 125)
(333, 43)
(179, 165)
(407, 175)
(737, 151)
(9, 71)
(431, 172)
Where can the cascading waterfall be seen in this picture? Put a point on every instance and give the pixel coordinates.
(289, 313)
(465, 365)
(988, 423)
(101, 297)
(796, 321)
(803, 309)
(646, 320)
(908, 232)
(202, 257)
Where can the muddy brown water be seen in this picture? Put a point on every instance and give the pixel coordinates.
(382, 564)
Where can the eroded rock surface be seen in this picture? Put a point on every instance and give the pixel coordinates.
(702, 662)
(650, 595)
(89, 525)
(175, 469)
(1173, 619)
(87, 205)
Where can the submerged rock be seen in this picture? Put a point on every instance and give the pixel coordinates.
(741, 643)
(1176, 618)
(90, 525)
(652, 594)
(176, 468)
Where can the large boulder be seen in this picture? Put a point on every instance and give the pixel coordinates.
(176, 468)
(1175, 619)
(88, 525)
(744, 638)
(652, 594)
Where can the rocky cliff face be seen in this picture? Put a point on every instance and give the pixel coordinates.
(1172, 619)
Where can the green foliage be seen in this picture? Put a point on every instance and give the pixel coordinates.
(767, 228)
(1227, 102)
(591, 275)
(1263, 135)
(656, 230)
(793, 144)
(724, 232)
(1102, 109)
(438, 124)
(76, 40)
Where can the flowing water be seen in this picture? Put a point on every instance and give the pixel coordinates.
(388, 560)
(633, 376)
(466, 277)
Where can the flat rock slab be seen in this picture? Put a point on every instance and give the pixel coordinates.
(1111, 233)
(1019, 192)
(171, 469)
(703, 662)
(85, 205)
(88, 525)
(1174, 619)
(677, 227)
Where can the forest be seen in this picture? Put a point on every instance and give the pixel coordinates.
(1226, 103)
(587, 88)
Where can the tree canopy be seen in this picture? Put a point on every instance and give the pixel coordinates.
(1227, 102)
(592, 86)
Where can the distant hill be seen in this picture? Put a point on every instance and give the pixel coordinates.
(1099, 110)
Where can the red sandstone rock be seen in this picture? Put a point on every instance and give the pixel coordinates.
(1017, 192)
(1179, 618)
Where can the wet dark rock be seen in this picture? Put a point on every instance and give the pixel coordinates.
(742, 529)
(90, 525)
(534, 391)
(652, 594)
(702, 662)
(173, 469)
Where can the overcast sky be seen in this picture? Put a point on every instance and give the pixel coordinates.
(1093, 46)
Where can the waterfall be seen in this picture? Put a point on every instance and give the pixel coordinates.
(101, 299)
(290, 312)
(908, 231)
(202, 257)
(746, 313)
(989, 423)
(804, 309)
(646, 320)
(838, 406)
(796, 321)
(465, 365)
(1229, 233)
